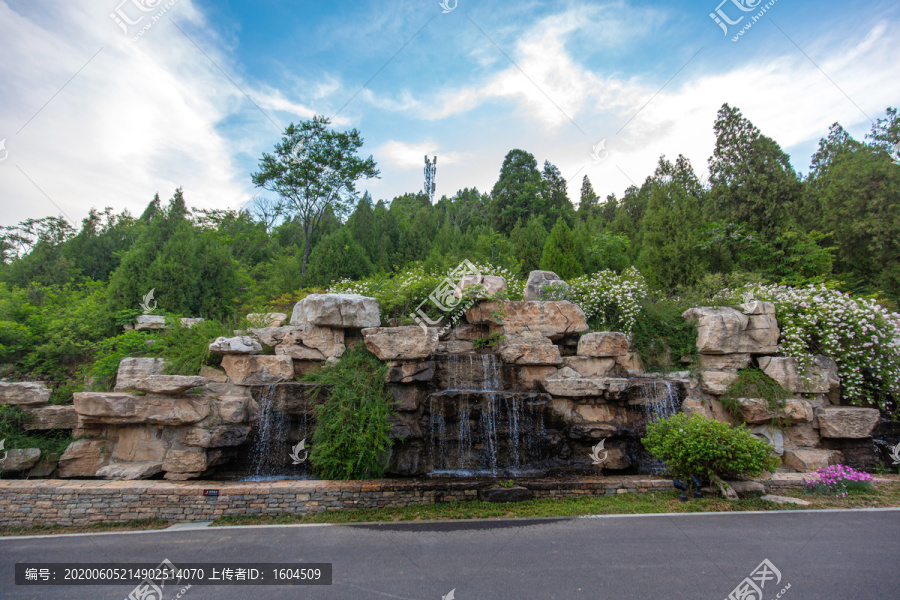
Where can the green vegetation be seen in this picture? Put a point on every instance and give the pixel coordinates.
(12, 419)
(708, 449)
(132, 525)
(753, 383)
(351, 439)
(633, 261)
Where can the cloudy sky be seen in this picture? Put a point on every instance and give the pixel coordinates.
(106, 102)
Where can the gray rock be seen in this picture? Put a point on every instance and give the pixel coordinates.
(149, 322)
(23, 392)
(166, 384)
(538, 280)
(19, 459)
(83, 458)
(603, 344)
(337, 310)
(784, 500)
(217, 437)
(130, 471)
(819, 378)
(728, 331)
(401, 343)
(496, 493)
(235, 345)
(133, 369)
(847, 421)
(550, 319)
(123, 409)
(51, 417)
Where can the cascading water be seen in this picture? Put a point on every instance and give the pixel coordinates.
(267, 455)
(476, 427)
(660, 400)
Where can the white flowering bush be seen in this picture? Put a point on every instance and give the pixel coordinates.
(402, 294)
(610, 300)
(861, 336)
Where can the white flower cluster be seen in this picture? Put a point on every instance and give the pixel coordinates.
(861, 336)
(612, 298)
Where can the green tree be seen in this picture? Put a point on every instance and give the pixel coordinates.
(752, 180)
(338, 256)
(517, 193)
(588, 198)
(314, 170)
(527, 243)
(559, 252)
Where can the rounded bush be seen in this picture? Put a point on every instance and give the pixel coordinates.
(699, 446)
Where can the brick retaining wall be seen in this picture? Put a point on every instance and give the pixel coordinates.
(27, 503)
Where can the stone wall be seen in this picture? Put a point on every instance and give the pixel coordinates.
(76, 503)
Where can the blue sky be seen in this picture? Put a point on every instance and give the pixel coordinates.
(92, 117)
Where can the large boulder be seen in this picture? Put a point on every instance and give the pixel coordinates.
(536, 350)
(242, 344)
(129, 471)
(819, 378)
(755, 410)
(134, 369)
(411, 372)
(550, 319)
(337, 310)
(258, 370)
(574, 387)
(716, 383)
(139, 445)
(725, 330)
(538, 280)
(489, 284)
(19, 459)
(193, 460)
(807, 460)
(122, 409)
(83, 458)
(847, 421)
(232, 409)
(311, 342)
(401, 343)
(272, 336)
(51, 417)
(603, 344)
(23, 393)
(772, 436)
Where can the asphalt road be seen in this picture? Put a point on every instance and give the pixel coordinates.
(821, 555)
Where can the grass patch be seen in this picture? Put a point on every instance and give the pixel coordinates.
(133, 525)
(887, 495)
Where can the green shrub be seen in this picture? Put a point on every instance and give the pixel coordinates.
(662, 337)
(186, 349)
(100, 375)
(709, 449)
(351, 439)
(15, 436)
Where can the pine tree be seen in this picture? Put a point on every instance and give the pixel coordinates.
(559, 253)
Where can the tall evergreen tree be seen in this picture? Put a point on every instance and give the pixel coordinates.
(559, 252)
(517, 193)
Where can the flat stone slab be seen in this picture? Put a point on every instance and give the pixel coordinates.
(552, 319)
(258, 370)
(149, 322)
(401, 343)
(130, 471)
(166, 384)
(784, 500)
(23, 393)
(498, 493)
(122, 409)
(51, 417)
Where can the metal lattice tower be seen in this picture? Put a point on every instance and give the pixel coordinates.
(430, 169)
